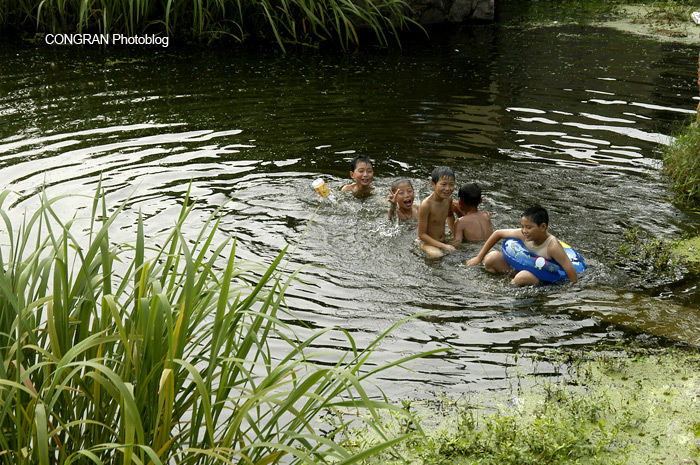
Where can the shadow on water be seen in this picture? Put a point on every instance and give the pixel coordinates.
(570, 118)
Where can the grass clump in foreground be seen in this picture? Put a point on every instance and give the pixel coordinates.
(682, 165)
(610, 409)
(150, 353)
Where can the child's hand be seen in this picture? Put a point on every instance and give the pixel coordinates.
(391, 198)
(449, 248)
(473, 261)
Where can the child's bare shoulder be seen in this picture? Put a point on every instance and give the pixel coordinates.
(428, 203)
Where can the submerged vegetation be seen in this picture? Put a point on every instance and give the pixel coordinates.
(689, 251)
(286, 21)
(651, 261)
(610, 408)
(646, 252)
(160, 351)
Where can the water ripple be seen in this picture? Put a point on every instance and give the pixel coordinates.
(572, 122)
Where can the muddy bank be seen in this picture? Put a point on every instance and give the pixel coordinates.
(649, 20)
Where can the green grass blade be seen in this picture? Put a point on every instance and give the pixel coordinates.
(42, 434)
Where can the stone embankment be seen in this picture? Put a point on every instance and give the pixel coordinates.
(428, 12)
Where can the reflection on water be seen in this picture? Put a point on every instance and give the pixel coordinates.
(569, 118)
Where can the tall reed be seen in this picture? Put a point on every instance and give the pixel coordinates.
(159, 352)
(285, 21)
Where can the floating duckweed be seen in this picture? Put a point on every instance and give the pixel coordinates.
(629, 407)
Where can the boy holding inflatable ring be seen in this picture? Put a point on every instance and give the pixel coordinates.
(533, 232)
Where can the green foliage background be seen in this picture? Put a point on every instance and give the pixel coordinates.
(285, 21)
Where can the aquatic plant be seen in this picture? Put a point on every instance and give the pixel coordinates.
(682, 165)
(562, 426)
(159, 351)
(625, 406)
(688, 249)
(651, 261)
(285, 21)
(653, 252)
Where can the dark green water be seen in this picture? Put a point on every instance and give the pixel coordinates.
(570, 118)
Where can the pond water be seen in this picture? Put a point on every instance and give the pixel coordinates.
(567, 117)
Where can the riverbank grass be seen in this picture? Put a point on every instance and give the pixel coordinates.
(286, 22)
(609, 408)
(682, 165)
(165, 350)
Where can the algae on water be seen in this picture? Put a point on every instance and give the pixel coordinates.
(688, 250)
(610, 408)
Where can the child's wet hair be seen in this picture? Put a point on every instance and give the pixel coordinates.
(398, 182)
(442, 172)
(537, 215)
(360, 159)
(470, 194)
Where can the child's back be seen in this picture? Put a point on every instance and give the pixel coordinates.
(472, 225)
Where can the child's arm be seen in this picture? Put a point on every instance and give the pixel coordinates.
(456, 210)
(451, 219)
(556, 251)
(423, 216)
(459, 232)
(495, 236)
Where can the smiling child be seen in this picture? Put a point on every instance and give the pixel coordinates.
(401, 200)
(362, 172)
(435, 211)
(533, 232)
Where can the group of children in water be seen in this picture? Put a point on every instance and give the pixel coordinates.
(464, 220)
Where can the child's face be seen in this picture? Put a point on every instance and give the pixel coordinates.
(444, 187)
(532, 231)
(363, 174)
(404, 196)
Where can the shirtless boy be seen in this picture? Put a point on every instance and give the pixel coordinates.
(472, 224)
(533, 232)
(434, 211)
(362, 172)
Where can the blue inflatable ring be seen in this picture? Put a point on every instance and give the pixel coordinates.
(520, 258)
